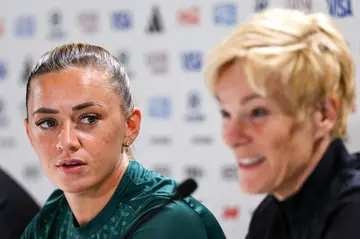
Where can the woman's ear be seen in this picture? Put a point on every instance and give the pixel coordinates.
(133, 124)
(326, 116)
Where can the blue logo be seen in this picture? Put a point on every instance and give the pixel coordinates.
(3, 71)
(340, 8)
(261, 5)
(159, 107)
(225, 14)
(192, 61)
(121, 20)
(25, 26)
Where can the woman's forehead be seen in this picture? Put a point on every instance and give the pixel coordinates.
(70, 79)
(72, 85)
(72, 76)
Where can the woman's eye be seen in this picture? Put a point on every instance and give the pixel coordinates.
(89, 119)
(224, 114)
(259, 112)
(46, 124)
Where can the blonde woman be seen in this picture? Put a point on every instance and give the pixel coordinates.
(285, 85)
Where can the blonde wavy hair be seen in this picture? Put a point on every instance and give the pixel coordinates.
(302, 54)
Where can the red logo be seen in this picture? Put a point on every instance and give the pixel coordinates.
(189, 16)
(231, 213)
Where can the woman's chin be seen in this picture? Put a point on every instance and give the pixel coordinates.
(73, 188)
(253, 187)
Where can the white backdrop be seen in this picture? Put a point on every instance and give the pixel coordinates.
(163, 48)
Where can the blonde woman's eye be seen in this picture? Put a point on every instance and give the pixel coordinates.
(224, 114)
(259, 112)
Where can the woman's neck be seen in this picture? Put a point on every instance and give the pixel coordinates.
(294, 184)
(86, 205)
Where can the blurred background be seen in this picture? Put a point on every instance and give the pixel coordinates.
(163, 45)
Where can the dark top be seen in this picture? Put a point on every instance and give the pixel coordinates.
(17, 208)
(138, 192)
(326, 207)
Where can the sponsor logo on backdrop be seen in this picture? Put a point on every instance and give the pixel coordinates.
(4, 120)
(231, 213)
(261, 5)
(162, 169)
(340, 8)
(88, 22)
(302, 5)
(189, 16)
(56, 25)
(192, 61)
(160, 140)
(25, 26)
(229, 172)
(202, 140)
(194, 172)
(122, 20)
(225, 14)
(159, 107)
(32, 172)
(158, 62)
(2, 27)
(156, 24)
(7, 142)
(125, 60)
(28, 64)
(194, 113)
(3, 70)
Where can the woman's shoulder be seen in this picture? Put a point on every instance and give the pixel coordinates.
(346, 184)
(54, 207)
(144, 182)
(267, 207)
(55, 201)
(206, 217)
(148, 190)
(186, 218)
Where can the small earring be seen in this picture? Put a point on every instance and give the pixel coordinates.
(127, 144)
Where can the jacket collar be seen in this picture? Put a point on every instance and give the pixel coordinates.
(317, 187)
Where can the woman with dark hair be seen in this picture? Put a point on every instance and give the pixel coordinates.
(81, 120)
